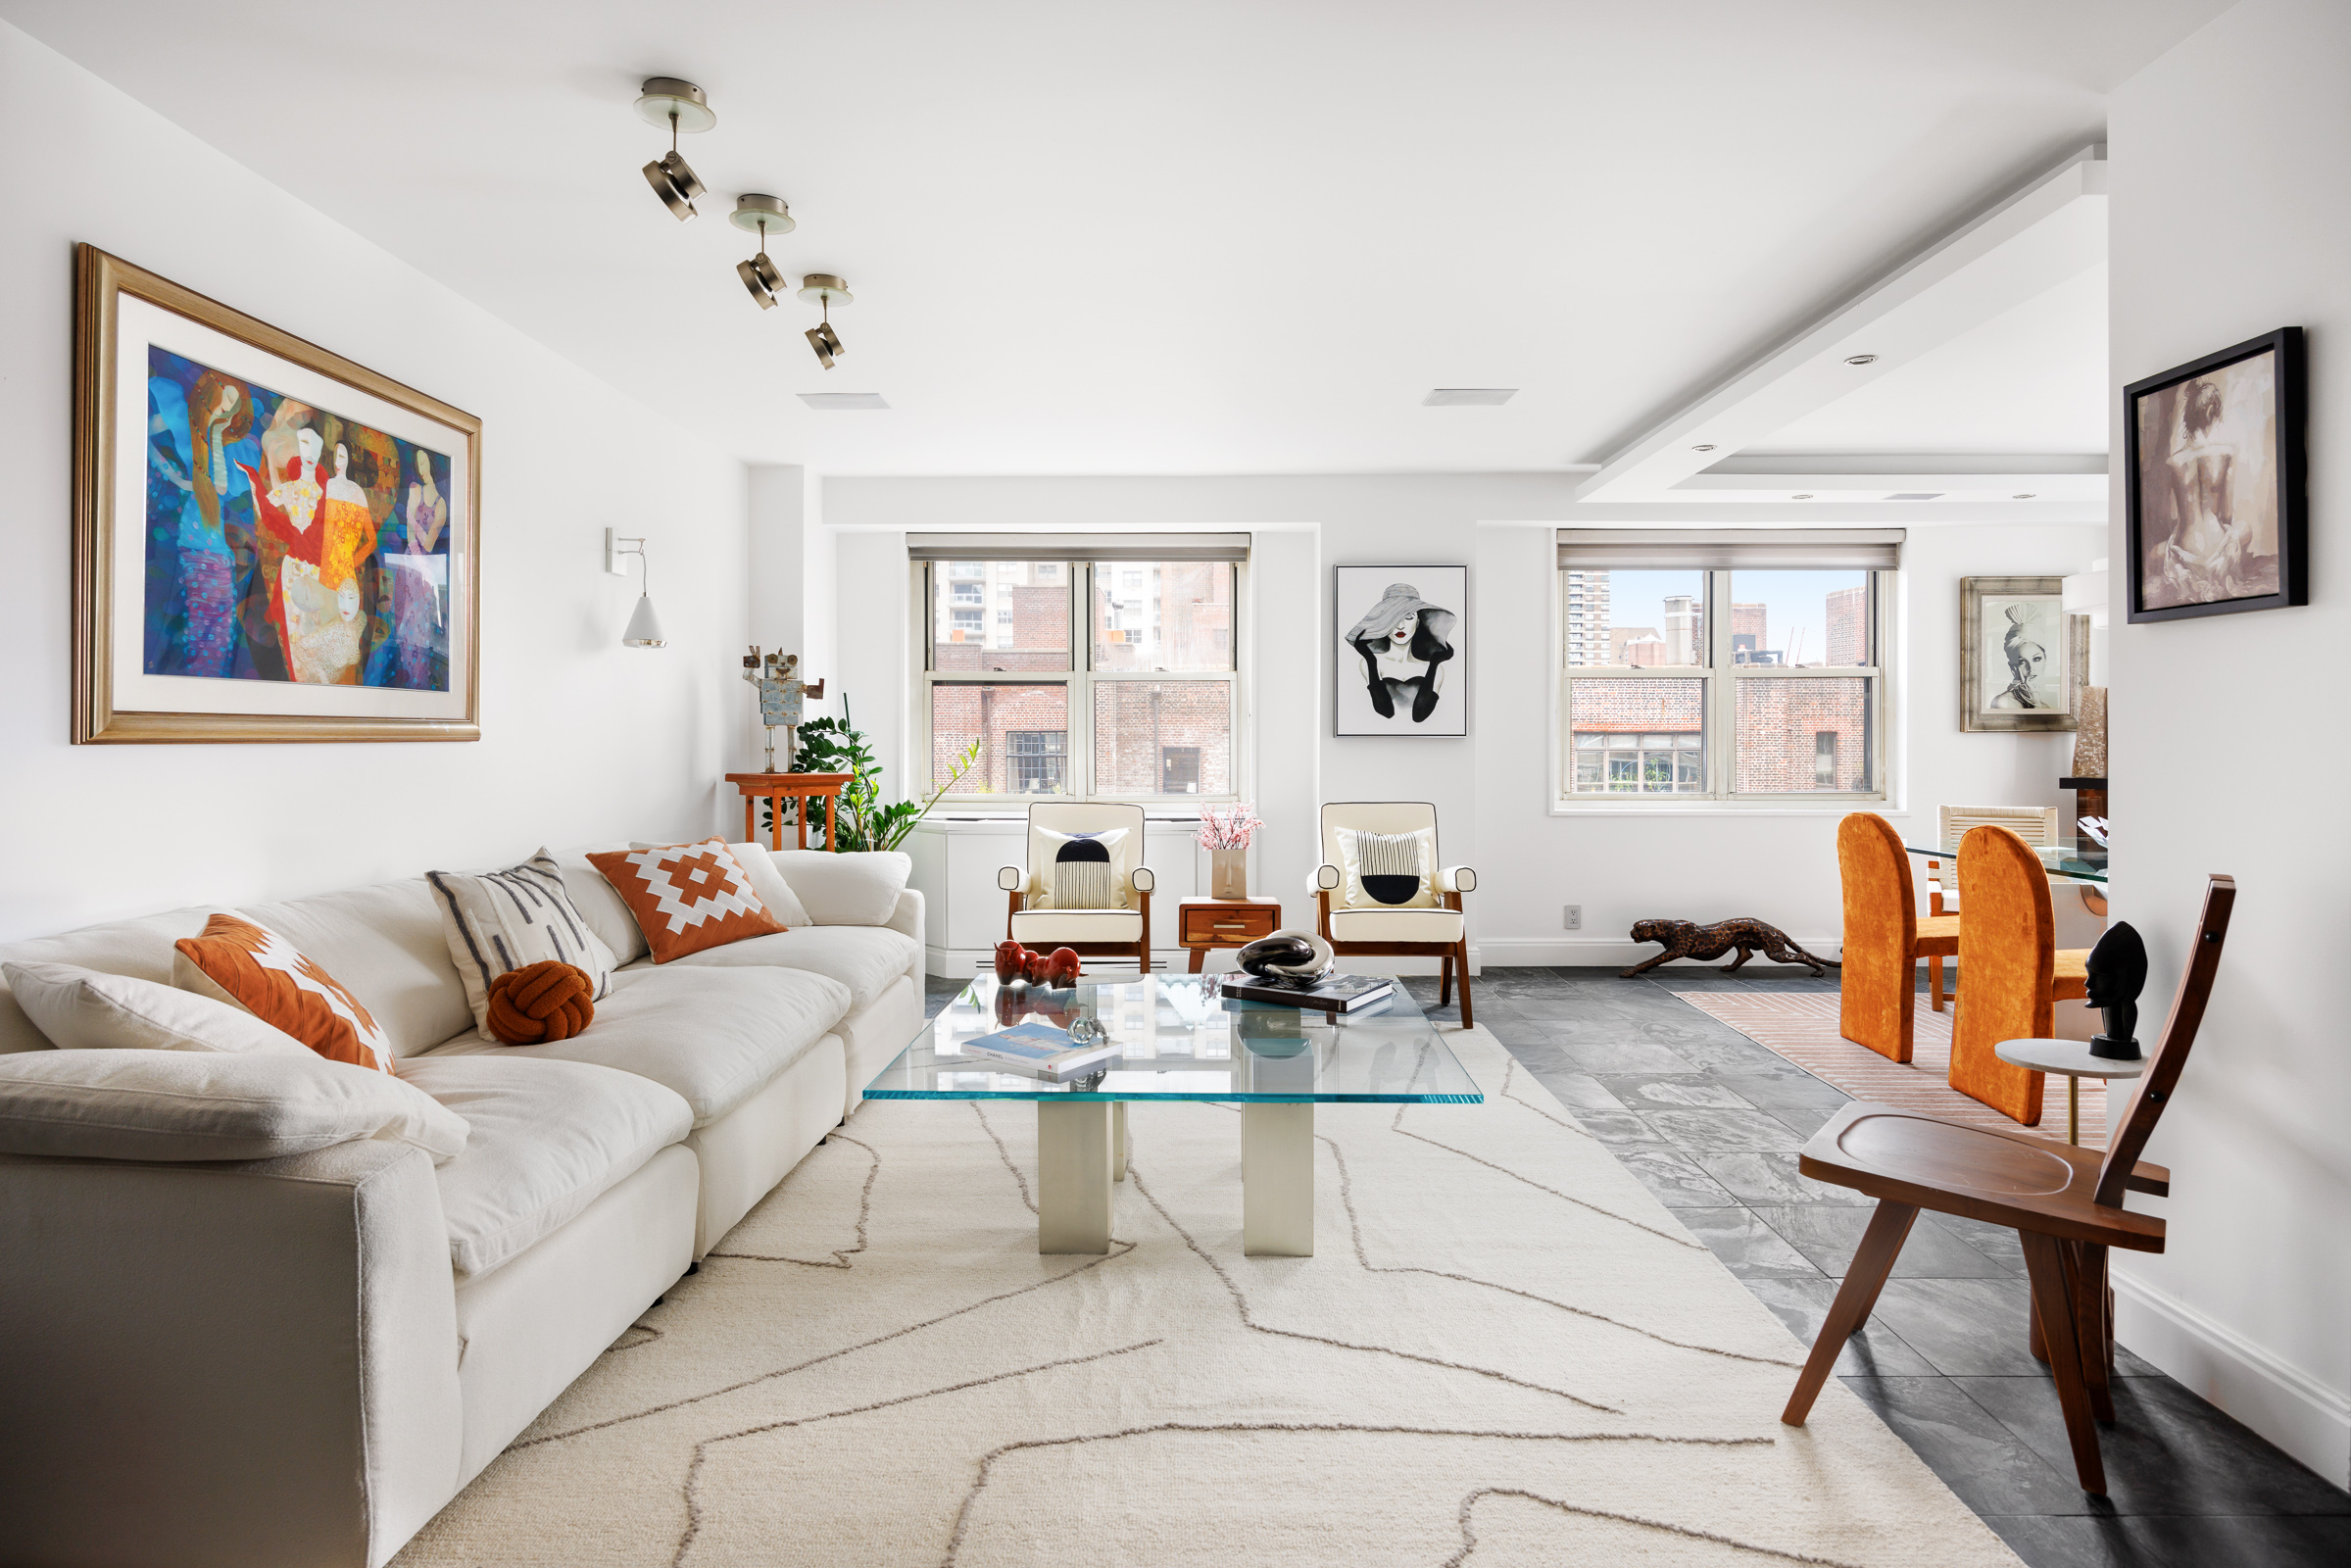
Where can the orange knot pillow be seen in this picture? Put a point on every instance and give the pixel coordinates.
(550, 1000)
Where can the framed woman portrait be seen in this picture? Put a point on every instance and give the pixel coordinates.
(2021, 655)
(2215, 515)
(1401, 661)
(271, 542)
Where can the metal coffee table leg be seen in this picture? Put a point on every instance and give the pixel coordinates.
(1074, 1176)
(1277, 1180)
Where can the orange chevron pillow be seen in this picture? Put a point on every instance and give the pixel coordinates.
(687, 897)
(248, 966)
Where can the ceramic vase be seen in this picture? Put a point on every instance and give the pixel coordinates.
(1228, 873)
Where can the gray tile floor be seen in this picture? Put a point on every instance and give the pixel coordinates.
(1711, 1122)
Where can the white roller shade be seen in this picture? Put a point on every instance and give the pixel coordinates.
(1078, 546)
(1731, 549)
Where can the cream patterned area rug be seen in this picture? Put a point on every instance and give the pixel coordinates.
(1802, 1025)
(1504, 1352)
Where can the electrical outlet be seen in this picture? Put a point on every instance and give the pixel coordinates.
(1575, 917)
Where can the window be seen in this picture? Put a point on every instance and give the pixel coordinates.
(1739, 667)
(1099, 679)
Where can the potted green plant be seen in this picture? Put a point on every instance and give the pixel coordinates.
(862, 820)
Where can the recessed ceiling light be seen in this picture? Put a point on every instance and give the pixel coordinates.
(2025, 496)
(1805, 497)
(842, 402)
(1707, 445)
(1916, 495)
(1469, 397)
(1861, 358)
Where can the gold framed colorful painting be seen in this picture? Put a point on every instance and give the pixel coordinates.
(271, 542)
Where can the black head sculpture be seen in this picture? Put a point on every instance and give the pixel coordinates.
(2118, 973)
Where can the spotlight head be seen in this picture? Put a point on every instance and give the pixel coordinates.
(675, 183)
(760, 275)
(827, 345)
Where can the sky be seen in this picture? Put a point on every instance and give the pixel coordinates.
(1795, 615)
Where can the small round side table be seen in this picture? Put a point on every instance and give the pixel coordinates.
(2071, 1060)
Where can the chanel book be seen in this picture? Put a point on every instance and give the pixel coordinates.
(1330, 992)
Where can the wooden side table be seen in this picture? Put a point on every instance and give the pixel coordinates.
(781, 786)
(1204, 925)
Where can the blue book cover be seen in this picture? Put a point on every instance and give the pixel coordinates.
(1037, 1043)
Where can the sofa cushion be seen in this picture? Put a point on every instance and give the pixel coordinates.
(208, 1104)
(714, 1035)
(140, 948)
(385, 944)
(863, 958)
(549, 1139)
(860, 888)
(599, 904)
(87, 1010)
(767, 881)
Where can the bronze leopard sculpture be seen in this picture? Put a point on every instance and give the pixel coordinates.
(1684, 939)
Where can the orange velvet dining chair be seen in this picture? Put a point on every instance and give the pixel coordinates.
(1885, 937)
(2007, 972)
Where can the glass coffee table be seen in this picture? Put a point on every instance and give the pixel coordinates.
(1180, 1039)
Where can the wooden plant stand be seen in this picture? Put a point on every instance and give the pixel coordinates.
(781, 786)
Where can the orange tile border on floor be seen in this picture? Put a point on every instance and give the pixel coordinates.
(1801, 1026)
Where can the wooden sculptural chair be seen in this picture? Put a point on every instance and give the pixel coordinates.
(1884, 937)
(1381, 891)
(2065, 1205)
(1085, 886)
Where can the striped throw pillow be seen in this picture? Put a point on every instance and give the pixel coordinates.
(1388, 871)
(498, 922)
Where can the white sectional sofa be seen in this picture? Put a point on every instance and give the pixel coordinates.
(299, 1361)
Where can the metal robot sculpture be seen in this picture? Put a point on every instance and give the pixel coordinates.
(774, 676)
(2118, 973)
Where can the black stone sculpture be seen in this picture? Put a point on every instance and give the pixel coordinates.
(1283, 953)
(2118, 973)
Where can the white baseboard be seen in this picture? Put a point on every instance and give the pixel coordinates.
(1616, 952)
(2283, 1403)
(961, 964)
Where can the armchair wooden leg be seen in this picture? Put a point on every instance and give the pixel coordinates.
(1460, 959)
(1445, 981)
(1865, 1277)
(2045, 1260)
(1935, 971)
(2087, 1264)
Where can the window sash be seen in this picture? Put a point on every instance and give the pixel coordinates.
(1077, 757)
(1719, 738)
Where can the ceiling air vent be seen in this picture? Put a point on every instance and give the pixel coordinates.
(1468, 397)
(1916, 495)
(835, 401)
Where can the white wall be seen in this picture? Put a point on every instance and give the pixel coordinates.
(2231, 164)
(582, 738)
(1492, 788)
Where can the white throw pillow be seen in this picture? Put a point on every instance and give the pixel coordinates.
(499, 922)
(208, 1104)
(89, 1009)
(758, 864)
(1388, 871)
(860, 888)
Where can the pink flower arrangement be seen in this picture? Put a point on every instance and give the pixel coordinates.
(1229, 829)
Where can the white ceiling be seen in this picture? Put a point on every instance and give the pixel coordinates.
(1188, 239)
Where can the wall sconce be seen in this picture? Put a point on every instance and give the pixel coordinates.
(644, 627)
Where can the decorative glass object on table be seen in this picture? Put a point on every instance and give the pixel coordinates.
(1180, 1040)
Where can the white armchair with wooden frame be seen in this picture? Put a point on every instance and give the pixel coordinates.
(1085, 886)
(1383, 892)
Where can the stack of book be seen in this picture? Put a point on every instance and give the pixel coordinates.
(1329, 993)
(1040, 1048)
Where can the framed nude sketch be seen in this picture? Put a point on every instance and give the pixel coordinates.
(2021, 656)
(2214, 514)
(271, 542)
(1400, 664)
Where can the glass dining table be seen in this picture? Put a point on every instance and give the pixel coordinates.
(2077, 861)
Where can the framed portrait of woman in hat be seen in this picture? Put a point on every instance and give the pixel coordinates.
(1401, 664)
(2023, 661)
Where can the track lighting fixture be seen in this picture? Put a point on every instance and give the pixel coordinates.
(679, 105)
(825, 288)
(769, 215)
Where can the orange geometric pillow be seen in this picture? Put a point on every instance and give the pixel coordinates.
(248, 966)
(687, 897)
